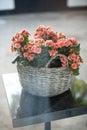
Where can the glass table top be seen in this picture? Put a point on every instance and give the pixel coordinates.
(29, 109)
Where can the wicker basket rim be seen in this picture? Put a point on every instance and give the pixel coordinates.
(43, 68)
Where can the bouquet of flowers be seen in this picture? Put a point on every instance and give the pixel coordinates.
(45, 44)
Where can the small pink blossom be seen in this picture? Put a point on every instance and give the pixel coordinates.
(52, 35)
(63, 42)
(41, 28)
(17, 45)
(18, 38)
(39, 41)
(74, 66)
(17, 35)
(31, 41)
(36, 49)
(25, 47)
(73, 41)
(56, 45)
(60, 35)
(30, 47)
(49, 43)
(45, 33)
(25, 54)
(73, 57)
(64, 62)
(30, 57)
(13, 39)
(52, 52)
(25, 32)
(21, 38)
(40, 32)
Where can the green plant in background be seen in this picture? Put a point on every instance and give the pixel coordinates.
(79, 91)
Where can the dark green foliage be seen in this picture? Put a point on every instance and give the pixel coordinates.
(25, 41)
(64, 50)
(15, 58)
(74, 71)
(55, 63)
(40, 60)
(76, 48)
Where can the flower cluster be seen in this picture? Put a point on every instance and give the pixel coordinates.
(56, 43)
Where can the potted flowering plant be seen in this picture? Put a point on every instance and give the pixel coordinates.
(46, 45)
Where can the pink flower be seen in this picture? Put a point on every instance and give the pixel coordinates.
(60, 35)
(30, 47)
(63, 42)
(41, 28)
(18, 38)
(64, 64)
(25, 32)
(13, 39)
(17, 35)
(45, 33)
(73, 41)
(30, 57)
(17, 45)
(31, 41)
(52, 35)
(56, 45)
(74, 66)
(40, 32)
(36, 49)
(26, 54)
(49, 43)
(39, 41)
(73, 57)
(21, 38)
(25, 47)
(63, 60)
(52, 52)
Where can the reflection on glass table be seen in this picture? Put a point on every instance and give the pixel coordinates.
(29, 109)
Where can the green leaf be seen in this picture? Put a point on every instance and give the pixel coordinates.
(25, 41)
(76, 48)
(74, 71)
(15, 58)
(42, 59)
(23, 61)
(64, 50)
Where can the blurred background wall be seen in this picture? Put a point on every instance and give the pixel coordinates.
(23, 6)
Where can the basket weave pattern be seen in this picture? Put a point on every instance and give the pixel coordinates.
(45, 81)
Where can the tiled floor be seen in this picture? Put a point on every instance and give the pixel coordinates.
(72, 23)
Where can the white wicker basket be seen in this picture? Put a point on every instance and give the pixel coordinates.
(45, 81)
